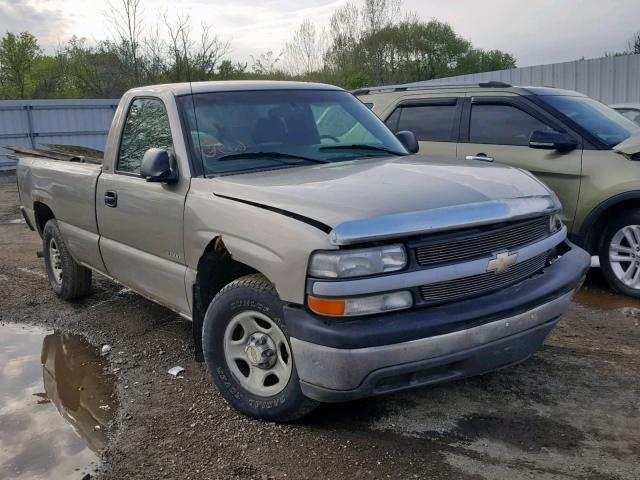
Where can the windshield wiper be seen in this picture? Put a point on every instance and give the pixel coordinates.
(270, 155)
(360, 146)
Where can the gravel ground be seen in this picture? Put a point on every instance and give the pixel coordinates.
(570, 412)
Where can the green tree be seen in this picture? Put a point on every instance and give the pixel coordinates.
(477, 60)
(18, 54)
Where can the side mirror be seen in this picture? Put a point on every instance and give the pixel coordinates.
(158, 165)
(545, 140)
(408, 139)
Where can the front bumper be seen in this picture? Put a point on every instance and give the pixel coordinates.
(344, 360)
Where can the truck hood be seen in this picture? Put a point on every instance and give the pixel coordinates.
(369, 195)
(630, 146)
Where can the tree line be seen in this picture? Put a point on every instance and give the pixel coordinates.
(372, 42)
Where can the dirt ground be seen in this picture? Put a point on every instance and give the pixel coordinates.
(570, 412)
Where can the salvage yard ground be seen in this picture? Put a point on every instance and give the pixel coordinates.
(570, 412)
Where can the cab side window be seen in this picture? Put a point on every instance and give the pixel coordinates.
(502, 125)
(429, 123)
(146, 126)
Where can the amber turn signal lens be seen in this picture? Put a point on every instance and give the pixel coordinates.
(327, 306)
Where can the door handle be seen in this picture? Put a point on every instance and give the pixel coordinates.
(480, 156)
(111, 198)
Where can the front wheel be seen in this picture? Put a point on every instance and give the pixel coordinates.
(620, 253)
(248, 355)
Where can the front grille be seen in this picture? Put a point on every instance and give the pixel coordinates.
(484, 243)
(474, 285)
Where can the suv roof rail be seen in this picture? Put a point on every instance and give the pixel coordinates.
(426, 85)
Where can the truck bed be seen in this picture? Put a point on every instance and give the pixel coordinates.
(67, 188)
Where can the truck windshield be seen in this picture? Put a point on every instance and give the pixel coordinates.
(598, 119)
(234, 132)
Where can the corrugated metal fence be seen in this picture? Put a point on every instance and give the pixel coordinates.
(30, 123)
(608, 79)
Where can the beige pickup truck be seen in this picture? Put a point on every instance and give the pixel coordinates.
(318, 258)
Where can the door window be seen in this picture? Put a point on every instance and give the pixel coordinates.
(429, 123)
(146, 126)
(502, 125)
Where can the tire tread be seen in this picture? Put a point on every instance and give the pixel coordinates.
(259, 284)
(76, 282)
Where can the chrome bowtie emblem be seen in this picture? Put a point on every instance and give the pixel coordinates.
(501, 262)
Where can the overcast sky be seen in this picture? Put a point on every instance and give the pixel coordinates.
(535, 31)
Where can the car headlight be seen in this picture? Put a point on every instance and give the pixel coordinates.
(555, 223)
(357, 263)
(369, 305)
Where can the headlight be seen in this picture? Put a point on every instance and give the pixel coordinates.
(351, 307)
(555, 223)
(357, 263)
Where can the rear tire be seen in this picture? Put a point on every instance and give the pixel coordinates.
(67, 278)
(620, 253)
(244, 326)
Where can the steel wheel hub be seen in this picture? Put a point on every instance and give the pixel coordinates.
(55, 261)
(624, 255)
(257, 353)
(260, 350)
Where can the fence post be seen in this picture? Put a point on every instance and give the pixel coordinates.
(28, 109)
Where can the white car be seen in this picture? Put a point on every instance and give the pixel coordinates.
(629, 110)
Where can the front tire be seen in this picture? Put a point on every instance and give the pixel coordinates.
(620, 253)
(247, 351)
(67, 278)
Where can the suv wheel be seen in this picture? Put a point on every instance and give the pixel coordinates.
(67, 278)
(248, 354)
(620, 253)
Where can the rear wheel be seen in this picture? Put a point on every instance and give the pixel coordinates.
(620, 253)
(67, 278)
(247, 350)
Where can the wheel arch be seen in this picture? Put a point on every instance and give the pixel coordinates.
(216, 269)
(595, 223)
(42, 213)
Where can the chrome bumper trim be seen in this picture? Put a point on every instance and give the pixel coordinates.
(386, 283)
(342, 369)
(442, 219)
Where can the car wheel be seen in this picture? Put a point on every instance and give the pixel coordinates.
(67, 278)
(620, 253)
(248, 354)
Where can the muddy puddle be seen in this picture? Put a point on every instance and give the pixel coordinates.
(56, 404)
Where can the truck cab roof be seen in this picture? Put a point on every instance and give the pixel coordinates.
(186, 88)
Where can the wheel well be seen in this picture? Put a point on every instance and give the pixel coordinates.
(594, 234)
(216, 269)
(42, 214)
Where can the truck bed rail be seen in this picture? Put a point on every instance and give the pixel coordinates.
(68, 153)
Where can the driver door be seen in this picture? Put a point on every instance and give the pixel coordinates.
(498, 129)
(140, 222)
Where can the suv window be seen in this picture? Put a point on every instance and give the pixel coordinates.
(631, 114)
(601, 121)
(429, 123)
(502, 125)
(146, 126)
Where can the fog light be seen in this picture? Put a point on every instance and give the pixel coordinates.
(351, 307)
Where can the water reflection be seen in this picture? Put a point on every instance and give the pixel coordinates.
(56, 404)
(74, 382)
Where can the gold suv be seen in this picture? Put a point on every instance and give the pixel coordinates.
(585, 151)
